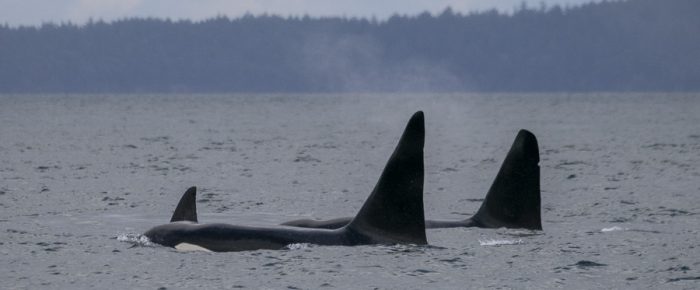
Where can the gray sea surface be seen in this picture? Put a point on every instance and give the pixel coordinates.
(82, 176)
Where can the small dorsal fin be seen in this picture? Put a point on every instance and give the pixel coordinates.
(186, 209)
(513, 200)
(394, 210)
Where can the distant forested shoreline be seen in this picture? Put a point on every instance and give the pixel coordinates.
(636, 45)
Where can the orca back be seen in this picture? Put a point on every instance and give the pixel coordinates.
(319, 224)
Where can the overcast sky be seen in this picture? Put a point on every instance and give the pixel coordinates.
(33, 12)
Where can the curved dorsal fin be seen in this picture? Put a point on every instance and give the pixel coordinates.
(186, 209)
(394, 210)
(513, 201)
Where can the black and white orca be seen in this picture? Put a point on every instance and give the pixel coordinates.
(393, 213)
(513, 201)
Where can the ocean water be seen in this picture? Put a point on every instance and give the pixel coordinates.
(82, 176)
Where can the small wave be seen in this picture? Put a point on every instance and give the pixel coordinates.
(519, 233)
(405, 248)
(683, 279)
(500, 242)
(135, 239)
(583, 264)
(613, 229)
(587, 264)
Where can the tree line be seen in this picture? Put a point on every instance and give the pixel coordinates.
(636, 45)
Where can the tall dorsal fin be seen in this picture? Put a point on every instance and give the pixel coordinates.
(394, 210)
(186, 209)
(513, 200)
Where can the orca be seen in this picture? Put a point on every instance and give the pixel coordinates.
(392, 214)
(513, 201)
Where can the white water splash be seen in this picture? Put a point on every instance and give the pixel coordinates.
(135, 239)
(298, 246)
(613, 229)
(500, 242)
